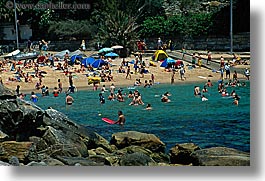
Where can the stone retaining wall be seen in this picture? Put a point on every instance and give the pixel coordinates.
(241, 42)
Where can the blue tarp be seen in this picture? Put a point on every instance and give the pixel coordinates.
(88, 61)
(75, 57)
(98, 63)
(61, 54)
(167, 61)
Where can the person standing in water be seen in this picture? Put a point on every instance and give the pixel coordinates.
(121, 119)
(69, 99)
(33, 97)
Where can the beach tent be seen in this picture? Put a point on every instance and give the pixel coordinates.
(159, 55)
(77, 52)
(61, 54)
(168, 61)
(87, 61)
(98, 63)
(74, 58)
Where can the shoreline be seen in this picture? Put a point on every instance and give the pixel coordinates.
(193, 75)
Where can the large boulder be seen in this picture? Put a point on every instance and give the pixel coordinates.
(180, 153)
(23, 151)
(136, 159)
(19, 119)
(68, 130)
(220, 156)
(149, 141)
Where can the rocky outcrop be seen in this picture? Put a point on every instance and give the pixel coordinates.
(149, 141)
(220, 156)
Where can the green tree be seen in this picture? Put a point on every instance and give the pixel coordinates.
(72, 28)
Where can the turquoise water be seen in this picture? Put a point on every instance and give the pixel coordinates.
(186, 118)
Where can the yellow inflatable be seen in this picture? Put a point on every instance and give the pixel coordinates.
(91, 80)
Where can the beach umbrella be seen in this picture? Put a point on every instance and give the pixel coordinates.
(117, 47)
(105, 50)
(111, 54)
(98, 63)
(88, 61)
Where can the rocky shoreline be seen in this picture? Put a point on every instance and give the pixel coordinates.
(30, 136)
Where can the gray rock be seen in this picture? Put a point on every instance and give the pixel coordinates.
(72, 161)
(52, 162)
(149, 141)
(4, 164)
(14, 161)
(34, 163)
(136, 159)
(220, 156)
(180, 153)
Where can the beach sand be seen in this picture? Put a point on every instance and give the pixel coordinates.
(81, 82)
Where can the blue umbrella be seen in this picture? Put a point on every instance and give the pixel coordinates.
(111, 54)
(98, 63)
(88, 61)
(105, 50)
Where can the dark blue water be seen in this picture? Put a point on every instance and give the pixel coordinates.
(186, 118)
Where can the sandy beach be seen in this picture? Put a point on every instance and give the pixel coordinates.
(80, 79)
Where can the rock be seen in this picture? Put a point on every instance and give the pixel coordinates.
(3, 136)
(100, 151)
(71, 161)
(34, 163)
(68, 131)
(180, 153)
(14, 161)
(220, 156)
(63, 144)
(19, 119)
(136, 159)
(39, 142)
(91, 152)
(24, 151)
(4, 164)
(6, 93)
(52, 162)
(149, 141)
(160, 158)
(99, 159)
(102, 142)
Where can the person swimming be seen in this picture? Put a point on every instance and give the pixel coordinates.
(148, 107)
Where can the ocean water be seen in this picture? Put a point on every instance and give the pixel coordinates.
(216, 122)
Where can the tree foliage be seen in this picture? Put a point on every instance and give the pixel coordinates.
(193, 24)
(72, 28)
